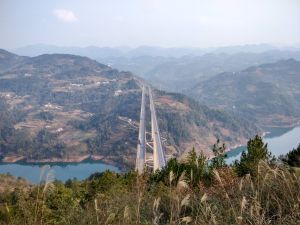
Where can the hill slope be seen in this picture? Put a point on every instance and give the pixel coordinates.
(8, 60)
(68, 108)
(269, 93)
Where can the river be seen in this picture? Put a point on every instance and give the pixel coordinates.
(61, 171)
(280, 141)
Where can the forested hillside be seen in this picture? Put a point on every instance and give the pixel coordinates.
(69, 108)
(269, 93)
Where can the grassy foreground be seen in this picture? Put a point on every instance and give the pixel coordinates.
(190, 192)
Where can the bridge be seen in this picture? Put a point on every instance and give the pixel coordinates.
(159, 160)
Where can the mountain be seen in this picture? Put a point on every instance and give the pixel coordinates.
(61, 107)
(175, 69)
(127, 52)
(181, 74)
(269, 93)
(8, 60)
(107, 52)
(91, 51)
(249, 48)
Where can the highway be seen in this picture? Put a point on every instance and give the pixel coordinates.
(141, 148)
(159, 160)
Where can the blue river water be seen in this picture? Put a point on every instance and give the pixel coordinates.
(280, 141)
(61, 171)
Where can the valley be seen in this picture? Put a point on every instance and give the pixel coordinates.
(150, 112)
(67, 108)
(205, 75)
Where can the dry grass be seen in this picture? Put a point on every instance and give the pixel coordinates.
(272, 198)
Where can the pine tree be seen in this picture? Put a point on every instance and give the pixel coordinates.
(293, 157)
(257, 150)
(219, 151)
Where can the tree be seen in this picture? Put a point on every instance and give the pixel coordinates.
(197, 167)
(293, 157)
(192, 157)
(257, 150)
(219, 151)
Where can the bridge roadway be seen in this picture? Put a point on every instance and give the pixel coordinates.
(159, 160)
(141, 148)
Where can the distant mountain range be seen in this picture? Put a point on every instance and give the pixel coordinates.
(181, 74)
(59, 107)
(268, 93)
(127, 52)
(175, 69)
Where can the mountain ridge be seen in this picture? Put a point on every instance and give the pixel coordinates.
(266, 93)
(68, 108)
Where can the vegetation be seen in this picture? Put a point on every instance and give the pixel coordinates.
(66, 107)
(189, 192)
(293, 157)
(256, 151)
(45, 115)
(254, 93)
(219, 151)
(9, 182)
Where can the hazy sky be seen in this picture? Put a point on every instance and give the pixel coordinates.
(167, 23)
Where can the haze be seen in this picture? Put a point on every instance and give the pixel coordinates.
(166, 23)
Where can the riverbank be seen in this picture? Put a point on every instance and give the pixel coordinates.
(15, 159)
(96, 163)
(280, 141)
(271, 132)
(68, 160)
(60, 171)
(12, 159)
